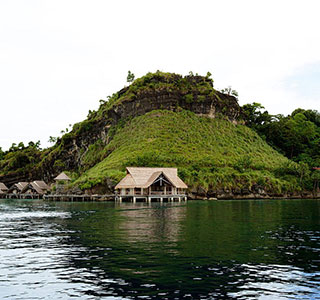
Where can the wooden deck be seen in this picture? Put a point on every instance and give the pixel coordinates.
(84, 197)
(152, 197)
(87, 198)
(21, 196)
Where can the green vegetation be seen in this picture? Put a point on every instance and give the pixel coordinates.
(130, 77)
(190, 85)
(210, 153)
(20, 159)
(297, 136)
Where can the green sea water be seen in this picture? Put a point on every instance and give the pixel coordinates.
(255, 249)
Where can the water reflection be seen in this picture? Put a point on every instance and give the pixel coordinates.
(232, 249)
(156, 223)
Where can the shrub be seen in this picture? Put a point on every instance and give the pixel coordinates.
(189, 98)
(243, 163)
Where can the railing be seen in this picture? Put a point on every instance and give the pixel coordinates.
(151, 193)
(146, 193)
(161, 193)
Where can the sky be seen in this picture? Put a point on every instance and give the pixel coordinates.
(59, 57)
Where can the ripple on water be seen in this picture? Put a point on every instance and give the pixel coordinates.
(88, 251)
(277, 282)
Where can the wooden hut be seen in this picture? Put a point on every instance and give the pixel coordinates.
(17, 187)
(151, 183)
(62, 177)
(37, 187)
(3, 189)
(61, 181)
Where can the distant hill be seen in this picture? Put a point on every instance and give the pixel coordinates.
(164, 119)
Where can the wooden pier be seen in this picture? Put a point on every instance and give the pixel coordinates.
(99, 198)
(114, 197)
(21, 196)
(82, 198)
(151, 198)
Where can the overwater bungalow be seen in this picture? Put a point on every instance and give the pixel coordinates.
(151, 183)
(37, 187)
(16, 189)
(3, 189)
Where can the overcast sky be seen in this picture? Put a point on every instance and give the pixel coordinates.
(58, 58)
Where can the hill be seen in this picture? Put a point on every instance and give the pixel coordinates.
(213, 155)
(164, 119)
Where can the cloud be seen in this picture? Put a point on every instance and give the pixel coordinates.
(58, 58)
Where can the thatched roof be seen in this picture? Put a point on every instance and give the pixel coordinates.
(39, 186)
(62, 176)
(144, 177)
(19, 186)
(3, 187)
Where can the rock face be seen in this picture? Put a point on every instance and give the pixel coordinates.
(209, 106)
(198, 101)
(253, 193)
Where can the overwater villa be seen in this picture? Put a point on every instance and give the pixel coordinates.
(151, 183)
(17, 188)
(3, 189)
(27, 190)
(37, 187)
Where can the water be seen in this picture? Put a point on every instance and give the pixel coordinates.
(196, 250)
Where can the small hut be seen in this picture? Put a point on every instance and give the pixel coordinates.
(37, 187)
(62, 177)
(3, 189)
(17, 188)
(61, 180)
(151, 182)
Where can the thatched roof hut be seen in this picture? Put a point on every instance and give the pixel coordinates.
(3, 188)
(36, 187)
(144, 177)
(62, 177)
(17, 187)
(151, 181)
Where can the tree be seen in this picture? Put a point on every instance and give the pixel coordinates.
(52, 139)
(300, 132)
(101, 101)
(1, 154)
(21, 145)
(13, 147)
(229, 91)
(130, 77)
(255, 117)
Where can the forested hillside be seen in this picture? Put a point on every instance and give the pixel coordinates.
(165, 119)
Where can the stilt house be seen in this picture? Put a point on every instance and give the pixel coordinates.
(151, 182)
(37, 187)
(17, 187)
(3, 188)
